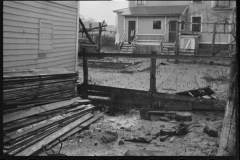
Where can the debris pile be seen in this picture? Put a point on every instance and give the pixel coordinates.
(32, 121)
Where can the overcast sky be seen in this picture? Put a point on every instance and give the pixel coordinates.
(102, 10)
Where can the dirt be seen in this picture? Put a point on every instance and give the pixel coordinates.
(89, 143)
(171, 78)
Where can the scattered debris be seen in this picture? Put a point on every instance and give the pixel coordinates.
(145, 153)
(120, 142)
(109, 136)
(146, 139)
(183, 116)
(210, 130)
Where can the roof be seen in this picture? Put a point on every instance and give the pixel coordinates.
(155, 11)
(119, 10)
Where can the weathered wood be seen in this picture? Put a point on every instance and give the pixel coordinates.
(183, 116)
(99, 37)
(76, 111)
(153, 73)
(85, 68)
(77, 129)
(161, 112)
(48, 139)
(39, 109)
(85, 31)
(213, 37)
(158, 56)
(177, 38)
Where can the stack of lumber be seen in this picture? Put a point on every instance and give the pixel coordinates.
(40, 108)
(37, 88)
(26, 131)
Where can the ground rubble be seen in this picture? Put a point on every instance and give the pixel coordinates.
(195, 143)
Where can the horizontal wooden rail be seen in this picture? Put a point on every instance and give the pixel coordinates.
(179, 57)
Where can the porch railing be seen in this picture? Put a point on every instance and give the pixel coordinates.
(133, 44)
(121, 41)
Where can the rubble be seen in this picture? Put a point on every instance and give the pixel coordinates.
(210, 130)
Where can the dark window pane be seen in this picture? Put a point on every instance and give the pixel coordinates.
(196, 27)
(156, 24)
(196, 19)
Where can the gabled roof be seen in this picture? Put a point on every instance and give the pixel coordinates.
(119, 10)
(155, 11)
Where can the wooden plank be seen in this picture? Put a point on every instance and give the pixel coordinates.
(38, 8)
(7, 22)
(20, 29)
(20, 46)
(58, 6)
(85, 69)
(46, 36)
(20, 35)
(65, 32)
(53, 136)
(39, 109)
(35, 51)
(161, 112)
(77, 129)
(62, 36)
(19, 58)
(63, 45)
(46, 47)
(184, 57)
(47, 30)
(21, 41)
(63, 28)
(52, 8)
(49, 42)
(79, 110)
(56, 41)
(153, 73)
(17, 11)
(56, 58)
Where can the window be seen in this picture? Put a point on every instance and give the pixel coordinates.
(182, 24)
(196, 24)
(196, 1)
(222, 3)
(156, 24)
(45, 36)
(140, 2)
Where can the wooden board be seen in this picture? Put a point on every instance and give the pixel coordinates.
(53, 136)
(39, 109)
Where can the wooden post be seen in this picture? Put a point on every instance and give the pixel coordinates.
(85, 68)
(177, 38)
(99, 37)
(213, 38)
(153, 73)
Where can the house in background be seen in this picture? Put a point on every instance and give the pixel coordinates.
(40, 34)
(150, 22)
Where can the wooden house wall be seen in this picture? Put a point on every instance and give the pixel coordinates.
(21, 21)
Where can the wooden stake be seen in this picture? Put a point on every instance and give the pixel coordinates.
(177, 37)
(213, 38)
(153, 73)
(85, 68)
(99, 37)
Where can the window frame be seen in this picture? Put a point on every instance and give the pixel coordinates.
(160, 24)
(40, 29)
(196, 23)
(143, 2)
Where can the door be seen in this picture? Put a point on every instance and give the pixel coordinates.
(131, 30)
(172, 31)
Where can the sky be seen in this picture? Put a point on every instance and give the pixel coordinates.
(102, 10)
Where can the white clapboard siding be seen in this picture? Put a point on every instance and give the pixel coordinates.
(16, 11)
(19, 35)
(37, 7)
(21, 22)
(49, 7)
(20, 40)
(20, 29)
(20, 18)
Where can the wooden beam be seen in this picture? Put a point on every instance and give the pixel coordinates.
(213, 38)
(85, 31)
(99, 38)
(77, 129)
(85, 68)
(179, 57)
(40, 109)
(177, 36)
(153, 73)
(28, 151)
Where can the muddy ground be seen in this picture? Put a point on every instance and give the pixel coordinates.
(171, 78)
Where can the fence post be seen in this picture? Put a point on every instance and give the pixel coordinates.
(99, 37)
(213, 38)
(177, 37)
(85, 68)
(153, 72)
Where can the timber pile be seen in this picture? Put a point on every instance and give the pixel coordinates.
(37, 88)
(28, 130)
(42, 110)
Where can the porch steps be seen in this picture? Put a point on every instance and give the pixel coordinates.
(168, 48)
(127, 48)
